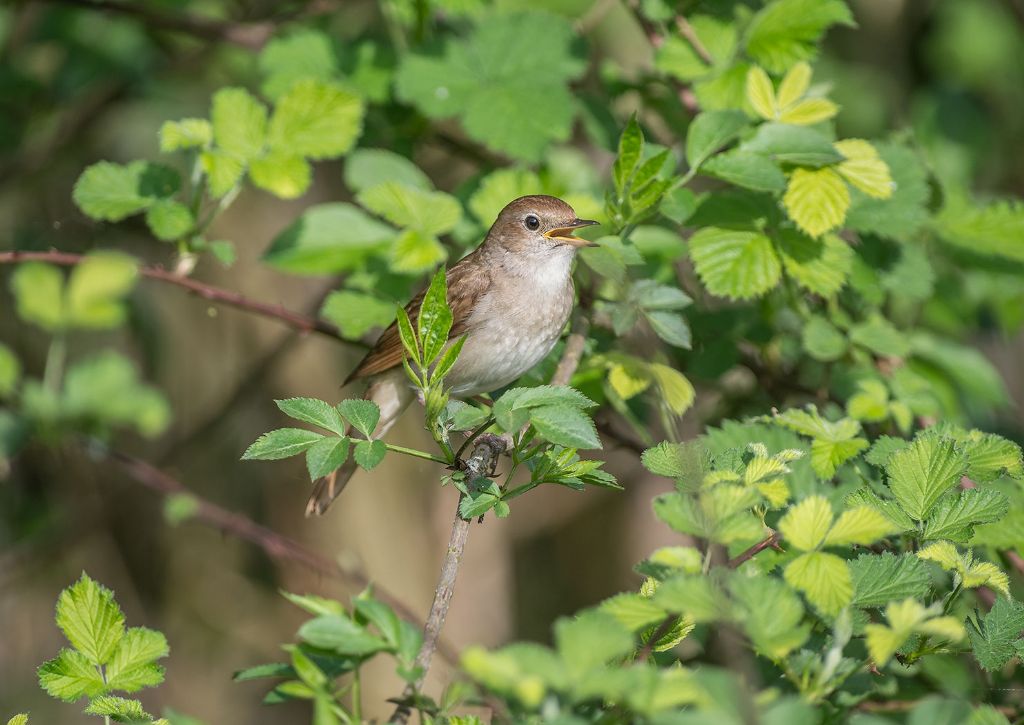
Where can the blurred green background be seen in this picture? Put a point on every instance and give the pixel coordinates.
(79, 83)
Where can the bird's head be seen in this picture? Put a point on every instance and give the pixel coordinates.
(538, 224)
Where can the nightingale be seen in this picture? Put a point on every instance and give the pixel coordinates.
(511, 298)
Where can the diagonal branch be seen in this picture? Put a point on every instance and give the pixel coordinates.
(276, 546)
(209, 292)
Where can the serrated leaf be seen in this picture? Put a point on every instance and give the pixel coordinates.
(223, 171)
(956, 514)
(634, 611)
(367, 168)
(328, 238)
(809, 111)
(304, 53)
(118, 709)
(430, 212)
(491, 81)
(185, 134)
(20, 719)
(823, 578)
(785, 32)
(771, 614)
(816, 199)
(806, 523)
(795, 84)
(733, 263)
(316, 119)
(367, 454)
(111, 192)
(565, 427)
(676, 390)
(283, 174)
(761, 93)
(994, 635)
(325, 456)
(631, 144)
(590, 640)
(861, 525)
(920, 473)
(133, 665)
(821, 266)
(692, 595)
(90, 619)
(338, 633)
(312, 410)
(881, 578)
(746, 169)
(828, 455)
(670, 327)
(994, 229)
(544, 395)
(239, 123)
(281, 443)
(356, 313)
(905, 211)
(169, 219)
(69, 676)
(710, 131)
(435, 318)
(415, 252)
(362, 414)
(790, 144)
(864, 168)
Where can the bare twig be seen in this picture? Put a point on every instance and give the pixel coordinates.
(206, 291)
(276, 546)
(479, 465)
(772, 542)
(686, 30)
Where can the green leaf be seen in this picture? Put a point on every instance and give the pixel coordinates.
(995, 229)
(169, 219)
(312, 410)
(816, 199)
(828, 455)
(497, 188)
(821, 266)
(864, 169)
(882, 578)
(325, 456)
(861, 525)
(788, 144)
(806, 523)
(69, 676)
(368, 454)
(185, 134)
(118, 709)
(366, 168)
(590, 640)
(822, 340)
(223, 170)
(10, 371)
(746, 169)
(362, 414)
(429, 212)
(415, 252)
(902, 214)
(111, 192)
(879, 336)
(283, 174)
(761, 94)
(631, 145)
(302, 54)
(90, 619)
(965, 365)
(316, 119)
(340, 634)
(96, 289)
(328, 238)
(956, 514)
(281, 443)
(545, 395)
(990, 457)
(994, 635)
(565, 427)
(356, 313)
(133, 665)
(770, 613)
(920, 473)
(785, 32)
(239, 123)
(634, 611)
(491, 79)
(735, 264)
(38, 294)
(692, 595)
(670, 327)
(21, 719)
(710, 131)
(435, 318)
(823, 578)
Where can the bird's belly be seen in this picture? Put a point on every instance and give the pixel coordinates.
(506, 346)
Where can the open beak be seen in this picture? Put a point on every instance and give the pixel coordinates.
(564, 234)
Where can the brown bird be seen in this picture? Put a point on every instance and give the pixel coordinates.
(511, 298)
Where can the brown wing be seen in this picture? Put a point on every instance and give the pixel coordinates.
(467, 281)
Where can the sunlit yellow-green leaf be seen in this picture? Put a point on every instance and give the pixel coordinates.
(794, 85)
(761, 94)
(809, 111)
(805, 525)
(817, 200)
(734, 263)
(677, 391)
(284, 175)
(860, 525)
(628, 381)
(823, 578)
(864, 168)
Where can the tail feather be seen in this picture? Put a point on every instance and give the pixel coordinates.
(392, 394)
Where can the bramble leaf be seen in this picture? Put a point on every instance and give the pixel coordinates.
(736, 264)
(90, 619)
(281, 443)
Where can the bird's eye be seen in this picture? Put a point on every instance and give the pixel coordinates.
(532, 222)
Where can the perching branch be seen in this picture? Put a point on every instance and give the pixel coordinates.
(209, 292)
(480, 464)
(275, 545)
(772, 542)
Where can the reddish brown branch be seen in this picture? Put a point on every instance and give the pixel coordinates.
(201, 289)
(772, 542)
(648, 649)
